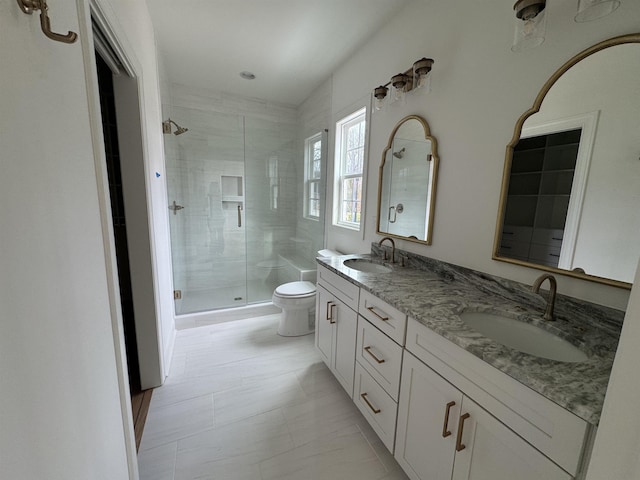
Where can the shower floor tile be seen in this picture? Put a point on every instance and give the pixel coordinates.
(244, 403)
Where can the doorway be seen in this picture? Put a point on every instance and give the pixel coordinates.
(140, 398)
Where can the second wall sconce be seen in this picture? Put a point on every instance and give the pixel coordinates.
(417, 77)
(531, 24)
(531, 19)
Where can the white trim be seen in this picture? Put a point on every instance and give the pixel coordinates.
(588, 122)
(360, 111)
(95, 121)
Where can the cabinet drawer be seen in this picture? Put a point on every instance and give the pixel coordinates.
(545, 254)
(554, 431)
(388, 319)
(376, 405)
(511, 249)
(512, 233)
(380, 356)
(548, 236)
(346, 291)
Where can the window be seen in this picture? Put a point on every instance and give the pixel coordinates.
(349, 167)
(312, 173)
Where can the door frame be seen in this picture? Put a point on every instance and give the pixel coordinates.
(152, 353)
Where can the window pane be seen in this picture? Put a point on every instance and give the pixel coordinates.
(351, 200)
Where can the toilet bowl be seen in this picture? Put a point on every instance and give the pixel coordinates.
(297, 301)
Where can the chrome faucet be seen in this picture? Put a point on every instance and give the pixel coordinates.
(393, 249)
(535, 288)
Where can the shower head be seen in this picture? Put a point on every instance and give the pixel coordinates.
(166, 127)
(399, 153)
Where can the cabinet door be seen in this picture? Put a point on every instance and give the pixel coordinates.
(492, 451)
(426, 435)
(324, 327)
(344, 343)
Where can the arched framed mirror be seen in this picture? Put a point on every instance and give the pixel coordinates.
(570, 197)
(407, 182)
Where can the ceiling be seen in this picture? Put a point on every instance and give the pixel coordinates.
(291, 46)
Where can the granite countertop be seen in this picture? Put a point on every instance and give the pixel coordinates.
(435, 294)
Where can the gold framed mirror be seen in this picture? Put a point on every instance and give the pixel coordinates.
(407, 182)
(571, 181)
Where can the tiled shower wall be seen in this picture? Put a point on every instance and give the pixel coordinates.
(259, 144)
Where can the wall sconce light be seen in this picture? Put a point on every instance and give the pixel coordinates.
(531, 24)
(400, 86)
(418, 77)
(421, 70)
(531, 19)
(593, 9)
(379, 93)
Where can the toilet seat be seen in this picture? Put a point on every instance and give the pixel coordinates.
(295, 289)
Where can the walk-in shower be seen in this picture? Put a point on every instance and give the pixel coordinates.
(241, 231)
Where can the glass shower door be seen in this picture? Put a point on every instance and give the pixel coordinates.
(205, 175)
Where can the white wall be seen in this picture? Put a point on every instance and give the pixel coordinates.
(479, 90)
(60, 411)
(64, 408)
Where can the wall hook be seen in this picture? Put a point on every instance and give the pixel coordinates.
(29, 6)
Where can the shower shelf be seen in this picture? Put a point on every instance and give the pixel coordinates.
(233, 198)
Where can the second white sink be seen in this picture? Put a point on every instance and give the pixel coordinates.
(523, 337)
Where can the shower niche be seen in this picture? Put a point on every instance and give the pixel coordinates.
(232, 189)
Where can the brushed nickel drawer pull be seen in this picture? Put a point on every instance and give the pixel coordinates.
(368, 350)
(445, 431)
(373, 409)
(459, 445)
(371, 309)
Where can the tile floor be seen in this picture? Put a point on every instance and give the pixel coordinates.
(242, 403)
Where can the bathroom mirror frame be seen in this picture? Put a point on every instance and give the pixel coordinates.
(431, 198)
(620, 40)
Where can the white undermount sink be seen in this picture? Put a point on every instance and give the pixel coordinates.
(523, 337)
(366, 265)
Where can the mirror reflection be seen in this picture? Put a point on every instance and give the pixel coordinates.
(571, 189)
(406, 192)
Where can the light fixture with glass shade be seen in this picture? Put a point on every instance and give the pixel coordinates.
(416, 78)
(531, 24)
(421, 74)
(379, 94)
(399, 85)
(593, 9)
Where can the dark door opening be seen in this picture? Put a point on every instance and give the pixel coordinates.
(139, 399)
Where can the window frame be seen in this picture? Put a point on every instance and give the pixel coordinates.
(309, 179)
(359, 116)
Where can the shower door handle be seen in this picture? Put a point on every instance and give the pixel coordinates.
(239, 216)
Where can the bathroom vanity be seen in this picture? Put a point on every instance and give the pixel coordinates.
(447, 401)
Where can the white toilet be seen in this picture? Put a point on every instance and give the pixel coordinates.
(297, 301)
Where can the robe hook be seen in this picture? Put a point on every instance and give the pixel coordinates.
(29, 6)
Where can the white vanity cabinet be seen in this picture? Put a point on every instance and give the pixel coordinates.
(443, 412)
(336, 325)
(443, 434)
(507, 420)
